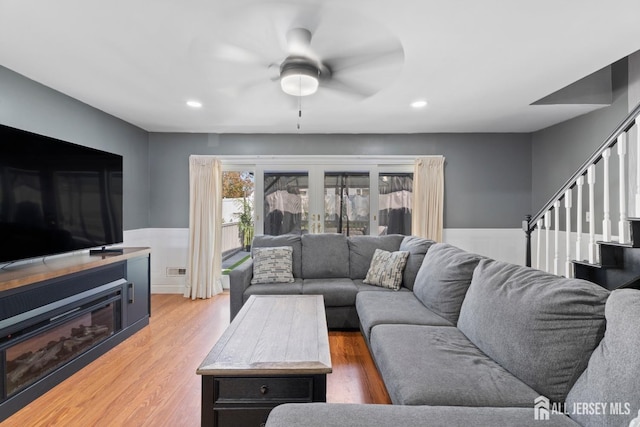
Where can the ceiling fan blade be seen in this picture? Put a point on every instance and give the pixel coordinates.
(233, 53)
(365, 72)
(357, 90)
(367, 56)
(204, 49)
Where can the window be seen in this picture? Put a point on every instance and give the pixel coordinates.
(346, 203)
(394, 203)
(286, 201)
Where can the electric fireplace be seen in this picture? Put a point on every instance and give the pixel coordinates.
(59, 315)
(48, 337)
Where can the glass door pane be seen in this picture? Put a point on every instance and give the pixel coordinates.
(395, 203)
(286, 203)
(346, 203)
(237, 210)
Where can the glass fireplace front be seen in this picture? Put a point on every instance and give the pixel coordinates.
(42, 348)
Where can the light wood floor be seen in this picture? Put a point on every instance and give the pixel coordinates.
(150, 379)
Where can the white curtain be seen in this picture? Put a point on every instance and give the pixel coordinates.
(428, 198)
(204, 263)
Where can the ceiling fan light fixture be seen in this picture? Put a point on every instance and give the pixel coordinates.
(299, 79)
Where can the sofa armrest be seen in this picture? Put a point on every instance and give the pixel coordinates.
(239, 281)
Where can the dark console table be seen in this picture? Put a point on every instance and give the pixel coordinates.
(60, 314)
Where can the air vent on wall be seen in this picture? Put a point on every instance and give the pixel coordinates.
(176, 271)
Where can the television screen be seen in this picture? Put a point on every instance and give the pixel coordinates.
(56, 196)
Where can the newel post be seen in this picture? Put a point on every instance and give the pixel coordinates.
(623, 223)
(527, 231)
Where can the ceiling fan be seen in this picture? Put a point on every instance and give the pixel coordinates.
(348, 56)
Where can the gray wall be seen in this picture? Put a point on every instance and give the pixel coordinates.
(28, 105)
(487, 176)
(558, 151)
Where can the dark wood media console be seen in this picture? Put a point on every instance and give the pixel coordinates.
(60, 315)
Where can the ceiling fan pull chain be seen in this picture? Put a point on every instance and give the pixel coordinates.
(299, 110)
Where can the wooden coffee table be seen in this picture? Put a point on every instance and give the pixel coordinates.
(276, 350)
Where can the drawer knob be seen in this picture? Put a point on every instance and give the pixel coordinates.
(264, 389)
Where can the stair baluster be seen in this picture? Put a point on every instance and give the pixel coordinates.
(623, 225)
(606, 221)
(591, 181)
(637, 211)
(556, 236)
(567, 207)
(538, 243)
(547, 227)
(579, 216)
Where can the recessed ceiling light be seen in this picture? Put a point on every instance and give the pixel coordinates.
(194, 104)
(419, 104)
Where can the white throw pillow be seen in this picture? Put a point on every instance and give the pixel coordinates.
(272, 265)
(386, 269)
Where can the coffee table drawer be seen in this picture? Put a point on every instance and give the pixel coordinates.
(289, 389)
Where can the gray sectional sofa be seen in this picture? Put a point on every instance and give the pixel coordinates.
(475, 341)
(332, 265)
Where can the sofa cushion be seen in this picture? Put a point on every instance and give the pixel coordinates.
(272, 265)
(443, 279)
(337, 292)
(375, 308)
(386, 269)
(438, 365)
(325, 256)
(361, 249)
(362, 287)
(294, 288)
(612, 373)
(417, 248)
(539, 326)
(367, 415)
(293, 240)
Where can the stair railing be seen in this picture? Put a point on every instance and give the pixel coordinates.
(548, 218)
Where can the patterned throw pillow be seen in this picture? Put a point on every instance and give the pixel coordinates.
(272, 265)
(386, 269)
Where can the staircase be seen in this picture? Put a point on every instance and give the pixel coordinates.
(575, 237)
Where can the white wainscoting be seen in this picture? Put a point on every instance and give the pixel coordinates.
(169, 249)
(502, 244)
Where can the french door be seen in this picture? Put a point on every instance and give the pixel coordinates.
(352, 199)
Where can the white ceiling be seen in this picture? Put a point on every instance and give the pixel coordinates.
(479, 64)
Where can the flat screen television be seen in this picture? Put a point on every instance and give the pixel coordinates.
(56, 196)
